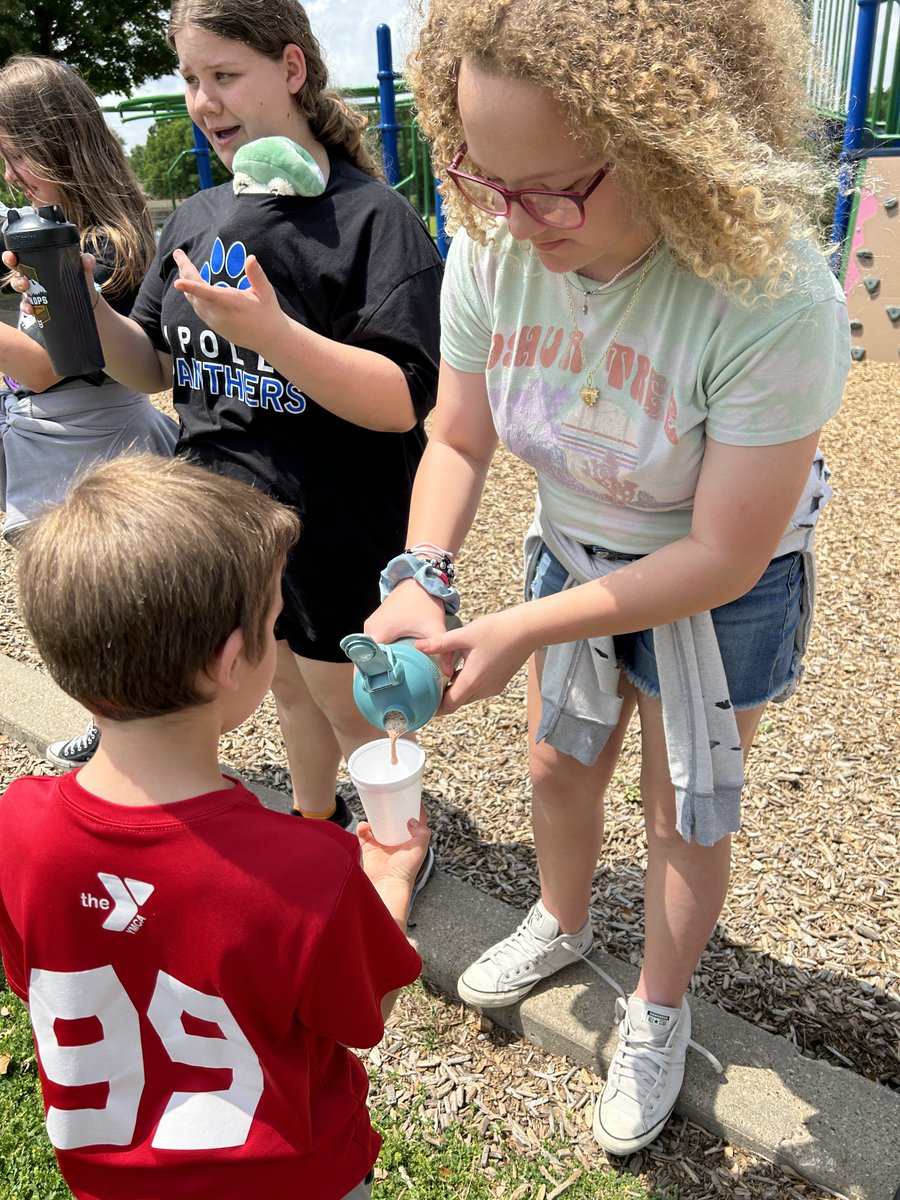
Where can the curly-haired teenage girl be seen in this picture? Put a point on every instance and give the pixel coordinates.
(635, 305)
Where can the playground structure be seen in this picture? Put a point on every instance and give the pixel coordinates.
(857, 83)
(854, 82)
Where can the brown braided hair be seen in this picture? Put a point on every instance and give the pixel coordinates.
(267, 26)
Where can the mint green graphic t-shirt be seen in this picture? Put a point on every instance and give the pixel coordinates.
(686, 362)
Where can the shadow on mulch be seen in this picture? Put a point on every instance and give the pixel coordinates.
(806, 1007)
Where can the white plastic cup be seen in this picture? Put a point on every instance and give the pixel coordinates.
(391, 793)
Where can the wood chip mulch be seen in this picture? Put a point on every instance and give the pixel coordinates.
(808, 945)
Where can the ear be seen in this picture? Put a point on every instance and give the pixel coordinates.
(224, 670)
(294, 61)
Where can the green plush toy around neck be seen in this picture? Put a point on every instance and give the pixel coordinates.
(276, 166)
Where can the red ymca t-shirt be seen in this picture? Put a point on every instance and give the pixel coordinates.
(195, 972)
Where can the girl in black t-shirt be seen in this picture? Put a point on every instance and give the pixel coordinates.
(300, 338)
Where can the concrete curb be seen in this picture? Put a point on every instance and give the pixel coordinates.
(831, 1126)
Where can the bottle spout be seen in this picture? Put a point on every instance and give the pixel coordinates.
(368, 656)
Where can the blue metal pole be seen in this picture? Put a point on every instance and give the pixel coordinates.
(443, 242)
(388, 125)
(201, 152)
(860, 78)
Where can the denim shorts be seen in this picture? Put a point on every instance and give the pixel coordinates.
(755, 632)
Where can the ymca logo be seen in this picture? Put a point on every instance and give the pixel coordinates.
(127, 897)
(229, 263)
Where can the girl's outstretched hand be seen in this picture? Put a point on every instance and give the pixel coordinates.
(492, 648)
(247, 317)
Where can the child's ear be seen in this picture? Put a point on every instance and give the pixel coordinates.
(224, 669)
(294, 61)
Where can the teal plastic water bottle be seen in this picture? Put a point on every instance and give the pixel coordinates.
(396, 687)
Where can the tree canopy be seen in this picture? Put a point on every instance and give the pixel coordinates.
(116, 44)
(165, 141)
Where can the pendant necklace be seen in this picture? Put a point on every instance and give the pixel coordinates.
(586, 293)
(590, 394)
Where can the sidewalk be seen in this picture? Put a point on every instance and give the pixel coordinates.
(833, 1127)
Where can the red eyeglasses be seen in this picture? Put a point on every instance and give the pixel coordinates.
(559, 208)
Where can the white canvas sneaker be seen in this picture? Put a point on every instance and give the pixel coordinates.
(509, 970)
(645, 1075)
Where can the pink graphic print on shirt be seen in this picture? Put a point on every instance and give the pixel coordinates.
(603, 448)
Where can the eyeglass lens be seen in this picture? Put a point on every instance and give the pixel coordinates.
(550, 210)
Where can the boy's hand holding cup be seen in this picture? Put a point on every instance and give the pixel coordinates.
(393, 869)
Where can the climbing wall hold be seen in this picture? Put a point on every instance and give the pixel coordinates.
(893, 312)
(865, 256)
(871, 283)
(856, 326)
(857, 353)
(891, 204)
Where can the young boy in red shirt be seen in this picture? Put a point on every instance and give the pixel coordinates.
(195, 965)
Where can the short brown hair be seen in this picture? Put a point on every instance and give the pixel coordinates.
(134, 581)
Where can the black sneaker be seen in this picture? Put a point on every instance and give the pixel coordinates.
(341, 816)
(77, 750)
(423, 874)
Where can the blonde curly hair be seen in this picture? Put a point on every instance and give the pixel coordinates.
(700, 107)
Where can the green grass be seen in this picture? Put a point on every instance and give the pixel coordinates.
(458, 1162)
(28, 1168)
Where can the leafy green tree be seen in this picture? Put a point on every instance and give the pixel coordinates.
(115, 44)
(151, 162)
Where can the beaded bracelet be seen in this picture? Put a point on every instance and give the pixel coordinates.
(441, 560)
(410, 566)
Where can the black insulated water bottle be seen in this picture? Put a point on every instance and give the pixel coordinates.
(49, 256)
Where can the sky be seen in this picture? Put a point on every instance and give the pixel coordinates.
(346, 31)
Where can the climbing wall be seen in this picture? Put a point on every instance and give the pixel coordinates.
(872, 273)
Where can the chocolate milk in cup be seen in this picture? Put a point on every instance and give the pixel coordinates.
(391, 793)
(48, 249)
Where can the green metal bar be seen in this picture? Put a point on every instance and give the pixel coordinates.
(183, 154)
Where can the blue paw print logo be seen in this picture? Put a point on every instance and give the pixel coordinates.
(225, 268)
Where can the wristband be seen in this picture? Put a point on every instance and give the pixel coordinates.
(441, 561)
(408, 566)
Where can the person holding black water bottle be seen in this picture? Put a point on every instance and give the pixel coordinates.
(300, 337)
(58, 150)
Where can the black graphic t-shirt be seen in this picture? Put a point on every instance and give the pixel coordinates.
(354, 264)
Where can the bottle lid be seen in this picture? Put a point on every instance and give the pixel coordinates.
(25, 228)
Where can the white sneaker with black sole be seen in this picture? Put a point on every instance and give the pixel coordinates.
(76, 751)
(511, 968)
(645, 1075)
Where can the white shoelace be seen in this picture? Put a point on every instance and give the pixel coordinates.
(79, 744)
(522, 949)
(635, 1055)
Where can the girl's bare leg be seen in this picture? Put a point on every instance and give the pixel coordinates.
(319, 722)
(567, 811)
(686, 883)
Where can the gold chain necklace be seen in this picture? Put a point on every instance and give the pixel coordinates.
(586, 293)
(590, 394)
